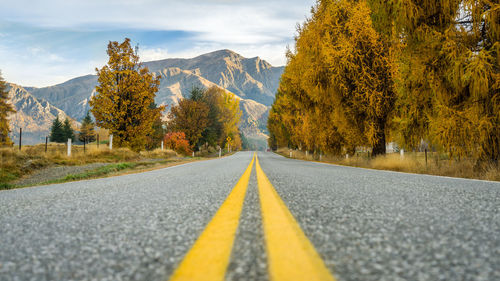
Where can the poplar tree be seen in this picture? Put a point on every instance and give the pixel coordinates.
(337, 90)
(125, 92)
(5, 109)
(449, 83)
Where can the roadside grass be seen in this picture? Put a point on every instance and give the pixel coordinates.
(412, 162)
(99, 172)
(15, 164)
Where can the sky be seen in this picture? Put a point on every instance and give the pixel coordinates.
(44, 43)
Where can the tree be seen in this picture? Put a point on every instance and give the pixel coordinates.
(208, 116)
(337, 90)
(67, 130)
(189, 117)
(229, 117)
(155, 137)
(125, 92)
(57, 132)
(449, 83)
(87, 133)
(5, 110)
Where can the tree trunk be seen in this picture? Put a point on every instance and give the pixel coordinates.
(379, 147)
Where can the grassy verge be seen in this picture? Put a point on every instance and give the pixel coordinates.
(411, 162)
(15, 164)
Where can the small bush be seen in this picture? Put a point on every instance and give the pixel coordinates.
(178, 142)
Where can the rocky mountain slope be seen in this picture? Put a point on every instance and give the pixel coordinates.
(253, 80)
(34, 115)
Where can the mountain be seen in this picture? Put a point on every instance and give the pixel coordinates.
(253, 80)
(34, 115)
(248, 78)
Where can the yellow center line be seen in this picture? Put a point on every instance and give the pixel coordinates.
(209, 257)
(291, 256)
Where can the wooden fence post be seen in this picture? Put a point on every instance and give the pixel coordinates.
(20, 137)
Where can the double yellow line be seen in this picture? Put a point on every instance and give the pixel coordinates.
(291, 256)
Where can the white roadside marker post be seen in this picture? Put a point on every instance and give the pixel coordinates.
(402, 153)
(162, 145)
(290, 154)
(111, 142)
(69, 147)
(347, 156)
(220, 152)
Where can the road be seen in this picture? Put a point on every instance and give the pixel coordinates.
(335, 222)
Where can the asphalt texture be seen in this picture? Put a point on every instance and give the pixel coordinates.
(379, 225)
(365, 224)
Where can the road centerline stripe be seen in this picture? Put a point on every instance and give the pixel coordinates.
(291, 256)
(209, 256)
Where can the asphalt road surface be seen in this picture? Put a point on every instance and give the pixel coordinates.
(364, 224)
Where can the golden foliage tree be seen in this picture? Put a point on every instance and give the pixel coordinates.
(5, 110)
(124, 95)
(337, 89)
(229, 117)
(448, 88)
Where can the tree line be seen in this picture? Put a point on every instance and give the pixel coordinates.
(62, 131)
(363, 73)
(208, 118)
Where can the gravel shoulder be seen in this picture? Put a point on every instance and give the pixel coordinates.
(56, 172)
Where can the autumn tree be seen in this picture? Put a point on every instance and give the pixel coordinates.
(5, 109)
(211, 97)
(229, 115)
(337, 89)
(125, 92)
(57, 132)
(87, 132)
(208, 116)
(449, 83)
(189, 117)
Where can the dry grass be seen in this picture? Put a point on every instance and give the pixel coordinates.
(15, 164)
(437, 164)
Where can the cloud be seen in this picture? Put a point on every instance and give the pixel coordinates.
(153, 54)
(60, 37)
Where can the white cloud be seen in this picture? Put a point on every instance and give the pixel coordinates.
(153, 54)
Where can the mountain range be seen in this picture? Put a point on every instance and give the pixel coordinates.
(252, 80)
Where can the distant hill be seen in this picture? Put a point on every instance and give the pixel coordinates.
(253, 80)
